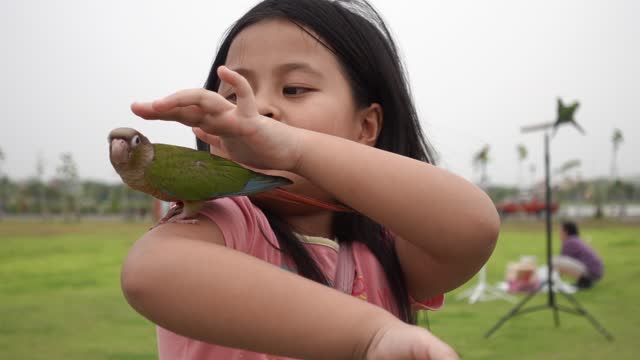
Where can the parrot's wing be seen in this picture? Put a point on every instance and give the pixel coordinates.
(185, 174)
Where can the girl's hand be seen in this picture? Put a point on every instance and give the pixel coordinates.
(236, 130)
(406, 342)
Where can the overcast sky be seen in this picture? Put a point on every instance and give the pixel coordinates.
(479, 71)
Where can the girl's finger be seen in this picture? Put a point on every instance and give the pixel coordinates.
(209, 101)
(144, 110)
(245, 100)
(190, 115)
(214, 141)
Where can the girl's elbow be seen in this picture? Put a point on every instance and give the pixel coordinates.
(139, 276)
(493, 226)
(488, 231)
(481, 231)
(483, 226)
(135, 286)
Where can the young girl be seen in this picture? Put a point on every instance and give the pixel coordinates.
(312, 90)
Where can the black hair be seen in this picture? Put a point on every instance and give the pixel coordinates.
(357, 35)
(570, 228)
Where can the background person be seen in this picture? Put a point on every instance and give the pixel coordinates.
(577, 259)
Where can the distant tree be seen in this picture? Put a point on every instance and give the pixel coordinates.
(3, 185)
(127, 209)
(96, 197)
(594, 193)
(480, 161)
(532, 175)
(67, 173)
(42, 200)
(132, 202)
(570, 182)
(114, 200)
(522, 156)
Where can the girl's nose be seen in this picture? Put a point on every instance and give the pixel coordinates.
(267, 108)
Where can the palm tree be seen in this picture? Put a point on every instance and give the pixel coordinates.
(522, 156)
(616, 140)
(616, 188)
(480, 161)
(568, 165)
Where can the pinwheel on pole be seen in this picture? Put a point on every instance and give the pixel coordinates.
(565, 116)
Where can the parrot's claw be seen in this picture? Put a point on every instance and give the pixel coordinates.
(176, 215)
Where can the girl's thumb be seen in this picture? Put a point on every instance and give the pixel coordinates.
(212, 140)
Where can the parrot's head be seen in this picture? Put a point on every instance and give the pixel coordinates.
(127, 148)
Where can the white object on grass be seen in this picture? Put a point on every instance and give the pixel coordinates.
(483, 291)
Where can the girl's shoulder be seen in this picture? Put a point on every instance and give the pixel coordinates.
(242, 223)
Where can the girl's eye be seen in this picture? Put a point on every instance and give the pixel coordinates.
(294, 90)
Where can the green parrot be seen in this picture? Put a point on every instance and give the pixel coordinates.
(565, 115)
(182, 175)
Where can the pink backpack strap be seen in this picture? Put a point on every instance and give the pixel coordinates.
(345, 269)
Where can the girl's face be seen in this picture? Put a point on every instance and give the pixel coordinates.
(296, 80)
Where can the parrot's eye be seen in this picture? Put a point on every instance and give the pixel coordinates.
(135, 141)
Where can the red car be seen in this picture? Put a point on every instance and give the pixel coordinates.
(525, 205)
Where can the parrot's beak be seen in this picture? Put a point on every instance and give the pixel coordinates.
(119, 151)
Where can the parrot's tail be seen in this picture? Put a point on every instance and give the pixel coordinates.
(287, 196)
(262, 182)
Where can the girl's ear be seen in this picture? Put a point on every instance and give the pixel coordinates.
(370, 122)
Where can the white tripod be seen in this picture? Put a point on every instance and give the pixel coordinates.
(483, 291)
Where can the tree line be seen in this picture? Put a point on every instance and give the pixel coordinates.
(66, 194)
(569, 186)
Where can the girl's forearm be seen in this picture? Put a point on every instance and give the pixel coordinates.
(208, 292)
(428, 206)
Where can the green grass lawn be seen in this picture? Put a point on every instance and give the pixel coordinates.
(60, 298)
(533, 335)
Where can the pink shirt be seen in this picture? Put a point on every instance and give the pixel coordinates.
(245, 228)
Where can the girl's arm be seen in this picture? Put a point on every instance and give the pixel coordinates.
(447, 226)
(206, 291)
